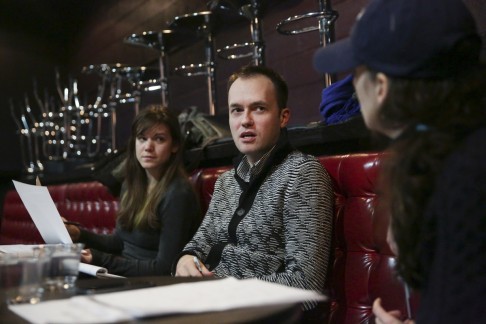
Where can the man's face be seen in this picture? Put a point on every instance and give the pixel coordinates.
(254, 117)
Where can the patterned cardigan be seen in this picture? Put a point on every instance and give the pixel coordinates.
(285, 235)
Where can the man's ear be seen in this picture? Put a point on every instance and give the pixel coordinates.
(284, 117)
(382, 84)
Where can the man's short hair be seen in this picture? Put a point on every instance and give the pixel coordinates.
(281, 88)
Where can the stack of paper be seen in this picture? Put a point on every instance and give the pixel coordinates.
(205, 296)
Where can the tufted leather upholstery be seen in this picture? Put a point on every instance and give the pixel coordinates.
(89, 203)
(362, 264)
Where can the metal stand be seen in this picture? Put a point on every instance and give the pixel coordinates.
(203, 25)
(326, 17)
(162, 41)
(115, 75)
(253, 11)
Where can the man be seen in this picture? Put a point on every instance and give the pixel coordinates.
(271, 216)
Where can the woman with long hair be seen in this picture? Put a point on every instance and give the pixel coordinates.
(159, 211)
(419, 80)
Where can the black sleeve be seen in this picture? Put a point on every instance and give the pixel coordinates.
(180, 214)
(111, 243)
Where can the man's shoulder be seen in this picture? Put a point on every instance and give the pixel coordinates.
(301, 160)
(227, 174)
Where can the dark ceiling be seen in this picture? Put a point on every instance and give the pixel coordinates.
(53, 21)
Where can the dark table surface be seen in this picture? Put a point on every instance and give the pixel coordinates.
(285, 313)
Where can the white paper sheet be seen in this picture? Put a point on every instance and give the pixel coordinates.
(18, 249)
(43, 212)
(206, 296)
(96, 271)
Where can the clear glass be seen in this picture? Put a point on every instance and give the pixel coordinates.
(63, 268)
(22, 277)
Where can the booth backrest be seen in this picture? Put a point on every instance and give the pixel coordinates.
(361, 263)
(88, 203)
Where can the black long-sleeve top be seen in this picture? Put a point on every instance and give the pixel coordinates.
(455, 253)
(149, 252)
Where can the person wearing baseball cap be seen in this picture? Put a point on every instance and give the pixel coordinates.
(419, 81)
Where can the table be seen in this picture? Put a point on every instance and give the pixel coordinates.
(285, 313)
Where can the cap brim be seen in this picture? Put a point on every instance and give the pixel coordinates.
(335, 57)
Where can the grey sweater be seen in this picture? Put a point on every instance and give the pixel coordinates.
(285, 236)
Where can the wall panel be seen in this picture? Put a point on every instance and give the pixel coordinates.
(290, 55)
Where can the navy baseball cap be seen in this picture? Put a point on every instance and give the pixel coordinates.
(405, 38)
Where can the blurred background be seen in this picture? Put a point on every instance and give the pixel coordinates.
(78, 64)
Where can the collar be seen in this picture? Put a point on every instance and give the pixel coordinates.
(246, 171)
(273, 157)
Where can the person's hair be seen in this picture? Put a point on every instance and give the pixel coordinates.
(279, 84)
(138, 209)
(438, 114)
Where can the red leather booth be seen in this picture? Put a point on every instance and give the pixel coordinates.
(362, 264)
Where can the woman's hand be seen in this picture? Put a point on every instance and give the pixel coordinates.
(73, 230)
(384, 317)
(86, 256)
(186, 267)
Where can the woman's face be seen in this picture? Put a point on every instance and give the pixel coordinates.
(367, 91)
(372, 91)
(154, 148)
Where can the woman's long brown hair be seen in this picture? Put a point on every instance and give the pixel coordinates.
(439, 115)
(136, 199)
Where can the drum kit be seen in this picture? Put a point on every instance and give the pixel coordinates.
(71, 130)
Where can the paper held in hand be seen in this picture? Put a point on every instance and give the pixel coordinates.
(46, 217)
(96, 271)
(43, 212)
